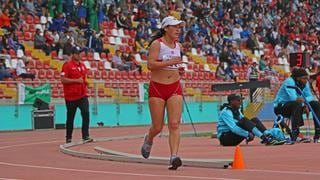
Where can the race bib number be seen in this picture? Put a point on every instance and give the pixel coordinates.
(175, 66)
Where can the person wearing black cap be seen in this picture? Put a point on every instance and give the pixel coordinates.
(291, 104)
(233, 127)
(75, 86)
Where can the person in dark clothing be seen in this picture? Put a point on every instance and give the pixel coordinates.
(291, 104)
(4, 71)
(67, 48)
(253, 75)
(99, 45)
(252, 44)
(233, 127)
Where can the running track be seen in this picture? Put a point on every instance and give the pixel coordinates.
(35, 155)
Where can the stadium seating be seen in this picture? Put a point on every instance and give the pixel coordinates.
(200, 68)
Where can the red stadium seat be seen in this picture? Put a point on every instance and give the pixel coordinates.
(101, 92)
(124, 75)
(54, 55)
(27, 53)
(196, 67)
(50, 74)
(41, 74)
(195, 76)
(46, 65)
(111, 25)
(201, 67)
(137, 75)
(132, 33)
(100, 66)
(109, 57)
(57, 74)
(55, 93)
(72, 23)
(90, 74)
(125, 92)
(97, 75)
(94, 65)
(90, 56)
(108, 33)
(104, 74)
(20, 35)
(118, 75)
(105, 25)
(201, 75)
(29, 19)
(188, 75)
(103, 56)
(131, 75)
(124, 40)
(36, 20)
(112, 75)
(122, 48)
(31, 28)
(107, 84)
(212, 77)
(131, 41)
(126, 32)
(128, 49)
(27, 36)
(39, 65)
(206, 76)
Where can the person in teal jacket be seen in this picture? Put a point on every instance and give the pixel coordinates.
(233, 127)
(290, 103)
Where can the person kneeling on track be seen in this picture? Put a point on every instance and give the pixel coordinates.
(233, 127)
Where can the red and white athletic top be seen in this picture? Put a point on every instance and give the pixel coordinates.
(167, 53)
(73, 70)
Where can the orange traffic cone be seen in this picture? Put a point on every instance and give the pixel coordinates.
(238, 162)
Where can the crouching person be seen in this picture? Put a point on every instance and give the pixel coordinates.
(233, 127)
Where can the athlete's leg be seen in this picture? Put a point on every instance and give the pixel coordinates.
(156, 107)
(174, 109)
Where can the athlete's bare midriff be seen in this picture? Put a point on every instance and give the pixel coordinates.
(165, 76)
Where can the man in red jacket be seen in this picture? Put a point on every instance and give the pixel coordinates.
(73, 78)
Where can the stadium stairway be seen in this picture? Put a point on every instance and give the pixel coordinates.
(253, 109)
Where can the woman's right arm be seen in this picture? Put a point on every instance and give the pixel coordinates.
(153, 64)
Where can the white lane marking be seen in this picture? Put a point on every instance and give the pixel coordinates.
(8, 179)
(109, 172)
(283, 172)
(28, 144)
(249, 170)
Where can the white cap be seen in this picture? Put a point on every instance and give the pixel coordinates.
(135, 10)
(171, 21)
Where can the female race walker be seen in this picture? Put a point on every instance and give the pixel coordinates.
(165, 91)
